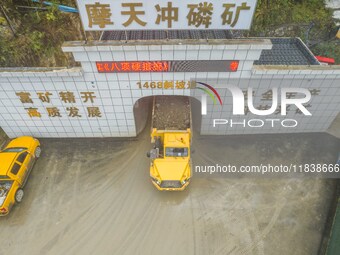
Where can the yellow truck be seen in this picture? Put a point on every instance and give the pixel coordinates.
(16, 163)
(170, 167)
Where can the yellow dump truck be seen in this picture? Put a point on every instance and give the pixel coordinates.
(170, 167)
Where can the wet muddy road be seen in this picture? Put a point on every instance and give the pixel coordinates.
(93, 196)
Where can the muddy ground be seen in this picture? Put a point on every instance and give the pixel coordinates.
(94, 196)
(334, 129)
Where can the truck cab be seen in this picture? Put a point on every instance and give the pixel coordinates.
(170, 167)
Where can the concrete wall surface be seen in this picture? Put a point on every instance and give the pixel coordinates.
(81, 102)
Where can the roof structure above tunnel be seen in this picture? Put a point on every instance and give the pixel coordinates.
(285, 51)
(165, 35)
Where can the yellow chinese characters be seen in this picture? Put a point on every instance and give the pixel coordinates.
(66, 97)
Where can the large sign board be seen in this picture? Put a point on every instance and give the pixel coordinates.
(100, 15)
(167, 66)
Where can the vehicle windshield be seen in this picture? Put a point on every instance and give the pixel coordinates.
(14, 149)
(176, 152)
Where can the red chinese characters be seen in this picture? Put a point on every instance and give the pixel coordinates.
(132, 66)
(234, 66)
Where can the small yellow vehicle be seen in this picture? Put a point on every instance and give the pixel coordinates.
(16, 163)
(170, 166)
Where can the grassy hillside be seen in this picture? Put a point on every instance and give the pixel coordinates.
(38, 35)
(295, 18)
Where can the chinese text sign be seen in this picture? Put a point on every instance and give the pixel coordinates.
(167, 66)
(164, 14)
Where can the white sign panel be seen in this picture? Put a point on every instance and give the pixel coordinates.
(162, 14)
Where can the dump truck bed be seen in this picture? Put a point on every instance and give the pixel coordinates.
(171, 113)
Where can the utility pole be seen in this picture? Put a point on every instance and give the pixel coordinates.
(82, 25)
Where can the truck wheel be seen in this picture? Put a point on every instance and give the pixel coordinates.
(19, 195)
(37, 152)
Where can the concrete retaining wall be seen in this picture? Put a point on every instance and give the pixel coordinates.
(108, 109)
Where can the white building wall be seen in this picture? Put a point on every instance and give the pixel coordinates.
(324, 105)
(116, 93)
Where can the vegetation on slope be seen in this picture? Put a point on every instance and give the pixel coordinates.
(38, 35)
(308, 19)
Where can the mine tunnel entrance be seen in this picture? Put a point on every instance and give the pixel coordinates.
(168, 112)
